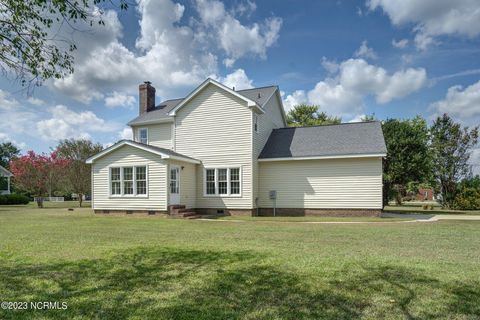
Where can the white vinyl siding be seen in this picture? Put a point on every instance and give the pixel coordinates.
(215, 127)
(159, 135)
(354, 183)
(271, 119)
(127, 156)
(187, 183)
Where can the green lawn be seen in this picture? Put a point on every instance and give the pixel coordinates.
(312, 219)
(150, 267)
(416, 207)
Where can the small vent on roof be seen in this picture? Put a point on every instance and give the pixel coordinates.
(233, 88)
(259, 95)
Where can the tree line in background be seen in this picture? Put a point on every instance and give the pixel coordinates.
(417, 156)
(434, 157)
(61, 172)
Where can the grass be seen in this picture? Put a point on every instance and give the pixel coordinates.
(312, 219)
(416, 207)
(108, 267)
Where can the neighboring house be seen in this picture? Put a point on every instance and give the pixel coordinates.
(424, 194)
(5, 175)
(224, 151)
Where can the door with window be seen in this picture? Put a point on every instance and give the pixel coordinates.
(174, 185)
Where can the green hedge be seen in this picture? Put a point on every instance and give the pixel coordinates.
(14, 199)
(467, 199)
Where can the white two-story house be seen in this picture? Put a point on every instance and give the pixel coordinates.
(230, 152)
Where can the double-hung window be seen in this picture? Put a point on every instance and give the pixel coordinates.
(143, 135)
(222, 182)
(128, 181)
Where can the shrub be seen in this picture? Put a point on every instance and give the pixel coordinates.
(13, 199)
(467, 199)
(425, 206)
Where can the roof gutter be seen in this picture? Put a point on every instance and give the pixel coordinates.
(140, 123)
(340, 156)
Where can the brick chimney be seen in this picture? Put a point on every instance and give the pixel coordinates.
(146, 97)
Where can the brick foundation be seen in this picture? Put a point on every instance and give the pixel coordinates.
(300, 212)
(131, 212)
(227, 212)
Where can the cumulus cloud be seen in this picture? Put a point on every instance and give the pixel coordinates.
(234, 38)
(432, 18)
(36, 101)
(365, 52)
(173, 52)
(237, 79)
(7, 101)
(343, 93)
(117, 99)
(400, 44)
(126, 134)
(64, 123)
(463, 103)
(4, 137)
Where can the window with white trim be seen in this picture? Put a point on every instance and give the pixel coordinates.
(210, 181)
(128, 181)
(222, 182)
(143, 135)
(141, 180)
(115, 181)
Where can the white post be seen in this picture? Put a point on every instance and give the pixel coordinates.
(8, 185)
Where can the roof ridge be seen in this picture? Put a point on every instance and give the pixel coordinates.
(329, 125)
(256, 88)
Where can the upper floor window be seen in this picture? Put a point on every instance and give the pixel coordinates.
(143, 135)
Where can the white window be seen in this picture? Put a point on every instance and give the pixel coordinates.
(115, 181)
(141, 180)
(128, 181)
(222, 182)
(143, 135)
(210, 181)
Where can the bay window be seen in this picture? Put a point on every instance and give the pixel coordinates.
(222, 182)
(128, 181)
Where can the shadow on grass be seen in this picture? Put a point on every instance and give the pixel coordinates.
(158, 283)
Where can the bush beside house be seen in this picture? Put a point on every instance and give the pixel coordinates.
(14, 199)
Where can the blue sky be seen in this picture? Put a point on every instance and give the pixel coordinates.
(391, 58)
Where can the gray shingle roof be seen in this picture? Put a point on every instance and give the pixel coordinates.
(154, 148)
(259, 95)
(328, 140)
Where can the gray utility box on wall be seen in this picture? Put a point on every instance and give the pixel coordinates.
(273, 194)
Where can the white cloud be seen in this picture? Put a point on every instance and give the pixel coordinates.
(343, 93)
(294, 99)
(64, 123)
(365, 52)
(234, 38)
(329, 65)
(475, 161)
(432, 18)
(400, 44)
(461, 102)
(358, 118)
(173, 53)
(6, 138)
(36, 101)
(6, 101)
(126, 134)
(117, 99)
(237, 79)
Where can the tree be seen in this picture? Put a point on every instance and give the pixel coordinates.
(451, 147)
(408, 157)
(31, 45)
(38, 174)
(8, 151)
(368, 117)
(78, 172)
(308, 115)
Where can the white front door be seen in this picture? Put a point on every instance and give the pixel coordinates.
(174, 185)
